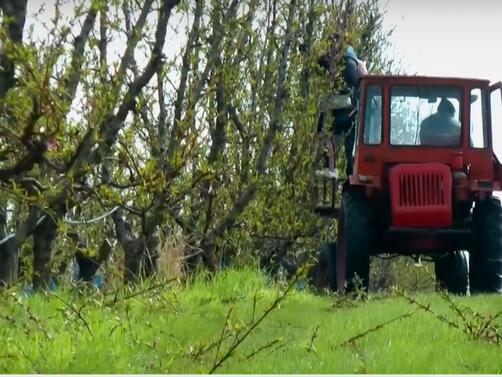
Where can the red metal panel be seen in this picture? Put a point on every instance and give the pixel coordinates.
(421, 195)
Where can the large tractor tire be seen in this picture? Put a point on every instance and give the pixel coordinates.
(452, 272)
(355, 239)
(485, 262)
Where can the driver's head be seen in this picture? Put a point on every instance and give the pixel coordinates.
(446, 107)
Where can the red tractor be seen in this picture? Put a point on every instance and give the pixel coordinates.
(421, 182)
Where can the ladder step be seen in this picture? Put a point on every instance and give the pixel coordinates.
(326, 210)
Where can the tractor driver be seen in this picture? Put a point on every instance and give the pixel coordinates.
(441, 128)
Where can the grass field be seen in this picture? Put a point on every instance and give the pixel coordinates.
(190, 329)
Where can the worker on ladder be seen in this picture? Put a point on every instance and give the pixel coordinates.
(340, 105)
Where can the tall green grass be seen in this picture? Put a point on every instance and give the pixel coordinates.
(178, 329)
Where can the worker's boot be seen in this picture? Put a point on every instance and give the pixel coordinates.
(329, 172)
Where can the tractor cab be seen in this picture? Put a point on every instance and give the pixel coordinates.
(426, 120)
(423, 171)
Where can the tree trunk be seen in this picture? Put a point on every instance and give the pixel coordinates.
(9, 258)
(44, 238)
(14, 16)
(9, 264)
(133, 251)
(208, 256)
(136, 252)
(150, 257)
(88, 266)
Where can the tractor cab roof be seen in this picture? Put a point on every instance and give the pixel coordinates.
(424, 80)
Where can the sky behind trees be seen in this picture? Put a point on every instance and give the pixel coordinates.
(432, 37)
(447, 37)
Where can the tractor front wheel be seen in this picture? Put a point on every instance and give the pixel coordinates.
(355, 239)
(485, 263)
(452, 272)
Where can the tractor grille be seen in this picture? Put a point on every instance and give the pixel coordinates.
(421, 195)
(421, 189)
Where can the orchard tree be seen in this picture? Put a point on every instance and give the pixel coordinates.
(130, 123)
(50, 159)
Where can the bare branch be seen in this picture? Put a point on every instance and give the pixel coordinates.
(134, 37)
(232, 112)
(75, 69)
(185, 68)
(103, 41)
(162, 123)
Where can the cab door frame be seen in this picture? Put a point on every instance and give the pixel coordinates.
(493, 88)
(496, 159)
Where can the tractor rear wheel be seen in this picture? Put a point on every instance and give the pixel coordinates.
(452, 273)
(485, 262)
(355, 239)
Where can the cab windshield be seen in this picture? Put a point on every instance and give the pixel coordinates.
(425, 115)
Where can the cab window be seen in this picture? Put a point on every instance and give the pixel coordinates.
(425, 115)
(477, 120)
(373, 115)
